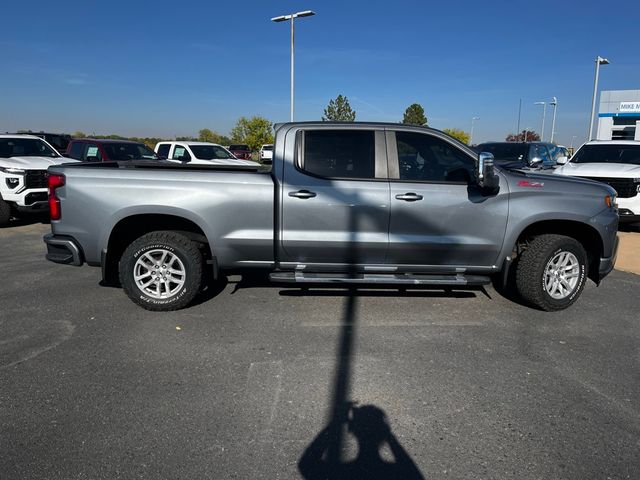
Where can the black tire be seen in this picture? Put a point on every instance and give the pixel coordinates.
(5, 213)
(155, 243)
(530, 271)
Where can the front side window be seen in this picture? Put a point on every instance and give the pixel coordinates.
(77, 150)
(425, 158)
(180, 153)
(129, 151)
(339, 153)
(540, 151)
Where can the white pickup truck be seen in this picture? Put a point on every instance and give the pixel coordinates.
(24, 160)
(199, 153)
(616, 163)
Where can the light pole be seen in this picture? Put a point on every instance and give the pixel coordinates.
(599, 61)
(573, 137)
(526, 132)
(292, 17)
(471, 134)
(553, 103)
(544, 114)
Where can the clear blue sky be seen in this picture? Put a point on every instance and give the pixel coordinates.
(171, 68)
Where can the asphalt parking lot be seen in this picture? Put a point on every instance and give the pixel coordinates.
(270, 382)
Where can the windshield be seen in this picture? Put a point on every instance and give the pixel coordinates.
(128, 151)
(25, 147)
(505, 152)
(629, 154)
(210, 152)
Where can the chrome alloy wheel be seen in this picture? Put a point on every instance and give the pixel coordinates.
(159, 273)
(561, 275)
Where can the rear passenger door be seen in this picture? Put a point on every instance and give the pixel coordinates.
(334, 198)
(440, 220)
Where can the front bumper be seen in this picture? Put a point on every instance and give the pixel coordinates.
(63, 249)
(607, 264)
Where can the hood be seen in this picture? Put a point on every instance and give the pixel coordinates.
(34, 163)
(552, 181)
(623, 170)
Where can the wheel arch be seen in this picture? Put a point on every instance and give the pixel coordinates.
(585, 234)
(127, 229)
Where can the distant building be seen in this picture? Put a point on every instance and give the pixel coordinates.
(619, 115)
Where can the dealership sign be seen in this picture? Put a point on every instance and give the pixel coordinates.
(629, 106)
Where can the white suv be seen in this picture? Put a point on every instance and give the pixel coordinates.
(266, 153)
(24, 160)
(203, 153)
(616, 162)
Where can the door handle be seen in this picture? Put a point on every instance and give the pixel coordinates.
(302, 194)
(409, 197)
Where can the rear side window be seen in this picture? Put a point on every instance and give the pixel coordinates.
(163, 150)
(93, 154)
(77, 150)
(339, 153)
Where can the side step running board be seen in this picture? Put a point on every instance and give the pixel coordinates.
(379, 278)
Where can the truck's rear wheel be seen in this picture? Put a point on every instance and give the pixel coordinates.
(161, 271)
(551, 272)
(5, 212)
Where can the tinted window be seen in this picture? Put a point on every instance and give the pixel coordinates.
(93, 153)
(429, 159)
(239, 147)
(540, 151)
(339, 153)
(128, 151)
(210, 152)
(77, 149)
(267, 147)
(25, 147)
(163, 150)
(180, 153)
(629, 154)
(505, 152)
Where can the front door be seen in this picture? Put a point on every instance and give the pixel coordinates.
(335, 199)
(439, 217)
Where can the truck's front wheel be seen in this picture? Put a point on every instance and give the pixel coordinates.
(552, 271)
(161, 271)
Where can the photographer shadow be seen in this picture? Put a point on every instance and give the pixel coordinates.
(368, 424)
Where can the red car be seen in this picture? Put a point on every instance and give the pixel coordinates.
(104, 150)
(243, 152)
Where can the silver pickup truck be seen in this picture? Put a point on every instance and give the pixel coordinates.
(357, 203)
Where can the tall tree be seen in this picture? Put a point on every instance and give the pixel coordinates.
(255, 132)
(458, 134)
(206, 135)
(414, 115)
(79, 134)
(524, 136)
(339, 110)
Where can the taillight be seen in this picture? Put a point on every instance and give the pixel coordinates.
(54, 180)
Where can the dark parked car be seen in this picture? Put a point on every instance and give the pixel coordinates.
(59, 141)
(104, 150)
(538, 155)
(242, 152)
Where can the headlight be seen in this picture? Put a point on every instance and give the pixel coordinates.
(18, 171)
(12, 182)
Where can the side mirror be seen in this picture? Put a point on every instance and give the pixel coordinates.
(486, 175)
(535, 162)
(562, 160)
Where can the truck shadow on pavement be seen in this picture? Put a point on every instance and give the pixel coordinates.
(26, 221)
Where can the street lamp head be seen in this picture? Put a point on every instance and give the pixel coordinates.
(475, 118)
(602, 61)
(540, 103)
(554, 102)
(306, 13)
(284, 18)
